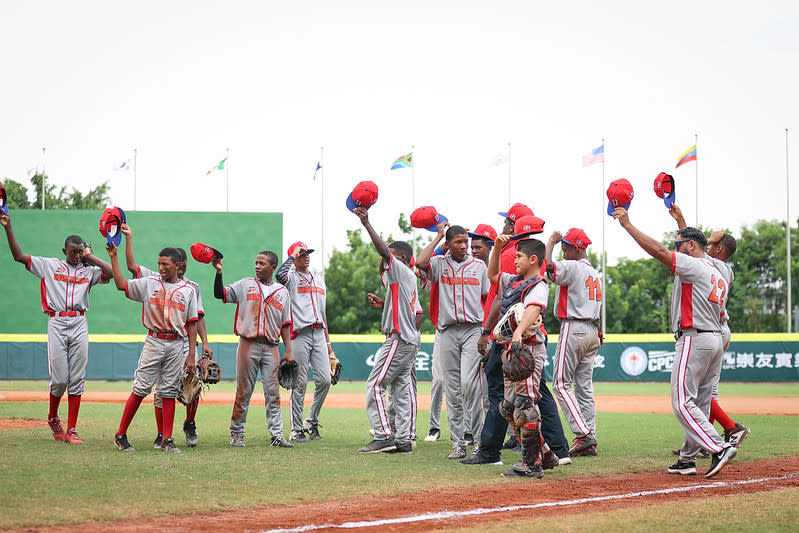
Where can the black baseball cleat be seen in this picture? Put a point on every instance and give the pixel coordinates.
(720, 460)
(279, 442)
(190, 430)
(523, 470)
(313, 432)
(121, 442)
(158, 440)
(684, 468)
(404, 447)
(376, 446)
(477, 459)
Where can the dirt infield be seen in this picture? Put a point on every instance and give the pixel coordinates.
(609, 404)
(426, 511)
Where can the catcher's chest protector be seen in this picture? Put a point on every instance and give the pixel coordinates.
(516, 291)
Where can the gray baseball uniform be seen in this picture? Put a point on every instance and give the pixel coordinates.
(167, 308)
(697, 301)
(309, 320)
(261, 312)
(726, 335)
(462, 287)
(395, 358)
(65, 297)
(578, 301)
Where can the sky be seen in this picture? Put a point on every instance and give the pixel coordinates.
(274, 82)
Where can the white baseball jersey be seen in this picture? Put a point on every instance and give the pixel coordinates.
(698, 295)
(166, 307)
(729, 277)
(64, 287)
(308, 296)
(579, 292)
(261, 311)
(144, 272)
(461, 288)
(537, 295)
(402, 302)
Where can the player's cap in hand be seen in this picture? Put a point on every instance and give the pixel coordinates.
(439, 251)
(577, 237)
(111, 225)
(363, 195)
(526, 226)
(204, 253)
(516, 211)
(427, 217)
(484, 231)
(301, 245)
(620, 194)
(664, 188)
(3, 201)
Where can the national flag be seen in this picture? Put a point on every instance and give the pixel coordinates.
(597, 155)
(687, 156)
(220, 166)
(499, 159)
(318, 166)
(125, 165)
(405, 161)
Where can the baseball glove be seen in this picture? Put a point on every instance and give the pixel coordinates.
(518, 362)
(189, 387)
(335, 368)
(210, 370)
(288, 373)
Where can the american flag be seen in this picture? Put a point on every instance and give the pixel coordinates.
(597, 155)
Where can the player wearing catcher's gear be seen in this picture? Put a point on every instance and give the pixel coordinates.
(578, 301)
(463, 286)
(65, 289)
(169, 312)
(310, 336)
(139, 271)
(394, 360)
(263, 315)
(696, 307)
(720, 247)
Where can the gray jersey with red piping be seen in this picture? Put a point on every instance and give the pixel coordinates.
(143, 272)
(402, 302)
(579, 292)
(308, 296)
(698, 295)
(262, 309)
(64, 287)
(166, 307)
(462, 287)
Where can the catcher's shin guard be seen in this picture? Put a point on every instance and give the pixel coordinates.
(526, 418)
(506, 410)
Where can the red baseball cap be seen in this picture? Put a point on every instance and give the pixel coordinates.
(620, 194)
(204, 253)
(664, 188)
(526, 226)
(3, 201)
(577, 237)
(363, 195)
(299, 244)
(111, 224)
(517, 211)
(427, 217)
(484, 231)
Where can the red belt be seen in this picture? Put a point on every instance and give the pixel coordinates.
(318, 326)
(164, 336)
(67, 313)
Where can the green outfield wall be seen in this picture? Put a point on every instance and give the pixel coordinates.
(764, 357)
(240, 236)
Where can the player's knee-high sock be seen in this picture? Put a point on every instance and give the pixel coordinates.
(159, 418)
(168, 415)
(73, 401)
(54, 402)
(718, 414)
(131, 406)
(191, 409)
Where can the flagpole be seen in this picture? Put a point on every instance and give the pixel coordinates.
(44, 176)
(227, 180)
(322, 183)
(788, 228)
(413, 180)
(509, 195)
(603, 262)
(696, 179)
(134, 178)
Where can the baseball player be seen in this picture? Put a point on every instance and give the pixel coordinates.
(696, 307)
(263, 315)
(169, 312)
(395, 359)
(720, 247)
(310, 336)
(139, 271)
(65, 289)
(578, 301)
(463, 286)
(436, 386)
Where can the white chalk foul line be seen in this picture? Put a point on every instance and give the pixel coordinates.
(444, 515)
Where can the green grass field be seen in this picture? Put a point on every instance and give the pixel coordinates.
(46, 482)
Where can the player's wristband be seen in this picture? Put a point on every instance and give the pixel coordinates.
(486, 332)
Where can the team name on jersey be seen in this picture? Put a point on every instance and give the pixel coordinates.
(81, 279)
(458, 280)
(310, 289)
(274, 302)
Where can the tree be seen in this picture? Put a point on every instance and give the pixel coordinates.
(96, 198)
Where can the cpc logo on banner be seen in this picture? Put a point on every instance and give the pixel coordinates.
(633, 361)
